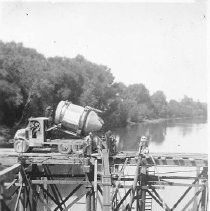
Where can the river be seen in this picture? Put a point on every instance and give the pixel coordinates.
(181, 136)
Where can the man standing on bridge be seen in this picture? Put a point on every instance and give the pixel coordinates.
(143, 146)
(143, 150)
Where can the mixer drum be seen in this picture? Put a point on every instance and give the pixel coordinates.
(77, 119)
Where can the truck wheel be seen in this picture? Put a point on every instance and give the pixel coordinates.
(77, 149)
(21, 145)
(64, 148)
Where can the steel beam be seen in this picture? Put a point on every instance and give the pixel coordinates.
(106, 181)
(21, 194)
(68, 196)
(133, 188)
(155, 198)
(88, 200)
(118, 181)
(204, 196)
(204, 199)
(53, 187)
(192, 200)
(166, 183)
(93, 200)
(74, 201)
(29, 184)
(9, 172)
(185, 193)
(142, 182)
(195, 203)
(60, 182)
(95, 189)
(162, 201)
(33, 189)
(123, 199)
(46, 192)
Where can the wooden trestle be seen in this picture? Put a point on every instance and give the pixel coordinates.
(35, 181)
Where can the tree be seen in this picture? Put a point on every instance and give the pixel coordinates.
(29, 82)
(160, 104)
(21, 69)
(174, 108)
(139, 93)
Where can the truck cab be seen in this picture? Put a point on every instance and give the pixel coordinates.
(33, 135)
(71, 119)
(37, 130)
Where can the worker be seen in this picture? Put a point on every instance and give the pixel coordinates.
(108, 141)
(88, 144)
(104, 141)
(143, 150)
(108, 136)
(35, 128)
(49, 114)
(143, 146)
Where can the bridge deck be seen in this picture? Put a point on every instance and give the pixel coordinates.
(166, 159)
(10, 157)
(93, 175)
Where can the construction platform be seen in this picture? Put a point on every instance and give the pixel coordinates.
(34, 180)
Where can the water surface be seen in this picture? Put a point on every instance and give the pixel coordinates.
(184, 136)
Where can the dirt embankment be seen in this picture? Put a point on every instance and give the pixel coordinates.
(6, 134)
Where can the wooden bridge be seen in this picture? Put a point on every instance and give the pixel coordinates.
(33, 181)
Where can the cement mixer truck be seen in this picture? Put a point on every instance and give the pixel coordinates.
(71, 119)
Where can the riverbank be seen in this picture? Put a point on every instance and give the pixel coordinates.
(159, 120)
(155, 121)
(6, 134)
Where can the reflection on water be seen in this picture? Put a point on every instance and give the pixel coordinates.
(183, 135)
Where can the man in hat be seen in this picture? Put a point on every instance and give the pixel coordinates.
(143, 149)
(143, 146)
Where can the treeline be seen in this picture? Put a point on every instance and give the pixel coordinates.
(29, 82)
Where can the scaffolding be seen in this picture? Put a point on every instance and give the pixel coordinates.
(99, 182)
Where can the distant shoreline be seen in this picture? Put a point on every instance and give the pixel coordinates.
(162, 120)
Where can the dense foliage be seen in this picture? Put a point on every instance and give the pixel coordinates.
(29, 82)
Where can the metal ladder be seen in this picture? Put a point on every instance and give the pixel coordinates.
(148, 198)
(148, 202)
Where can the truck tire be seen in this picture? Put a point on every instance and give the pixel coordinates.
(64, 148)
(21, 145)
(77, 149)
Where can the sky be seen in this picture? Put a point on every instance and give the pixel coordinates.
(162, 45)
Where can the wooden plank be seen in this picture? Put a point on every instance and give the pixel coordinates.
(123, 154)
(168, 162)
(165, 183)
(56, 160)
(9, 172)
(8, 161)
(161, 159)
(164, 154)
(60, 182)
